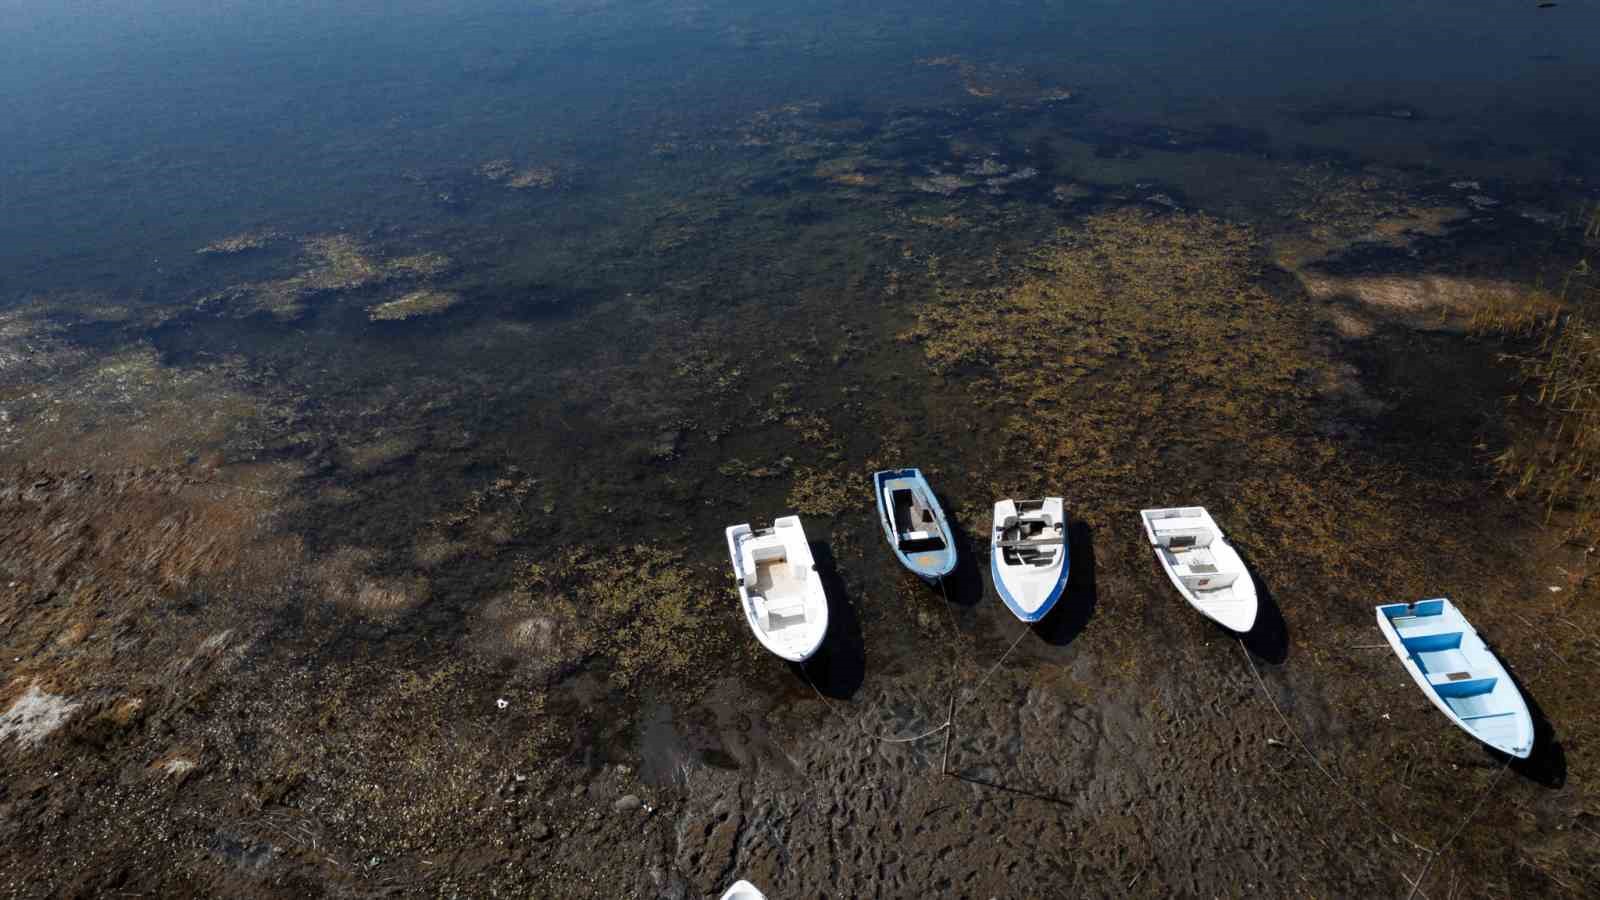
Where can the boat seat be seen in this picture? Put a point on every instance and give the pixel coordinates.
(1182, 539)
(916, 535)
(1430, 636)
(793, 608)
(1208, 581)
(768, 553)
(1442, 679)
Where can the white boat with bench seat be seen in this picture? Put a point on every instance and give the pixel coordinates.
(1458, 672)
(1204, 568)
(779, 587)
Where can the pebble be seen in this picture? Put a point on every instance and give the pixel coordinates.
(627, 803)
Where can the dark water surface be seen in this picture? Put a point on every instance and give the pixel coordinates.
(134, 131)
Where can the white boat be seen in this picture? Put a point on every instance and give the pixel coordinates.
(743, 890)
(1204, 568)
(779, 587)
(1457, 671)
(1028, 555)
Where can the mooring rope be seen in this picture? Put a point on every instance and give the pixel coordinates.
(887, 740)
(973, 693)
(1317, 762)
(955, 666)
(1417, 885)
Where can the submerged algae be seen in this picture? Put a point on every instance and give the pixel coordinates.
(647, 610)
(413, 305)
(329, 264)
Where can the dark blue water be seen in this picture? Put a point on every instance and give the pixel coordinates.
(132, 132)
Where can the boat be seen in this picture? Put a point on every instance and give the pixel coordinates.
(914, 523)
(779, 587)
(743, 890)
(1028, 557)
(1458, 672)
(1202, 565)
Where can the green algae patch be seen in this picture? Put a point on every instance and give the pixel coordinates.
(414, 305)
(1141, 359)
(824, 492)
(329, 264)
(238, 243)
(644, 608)
(1115, 321)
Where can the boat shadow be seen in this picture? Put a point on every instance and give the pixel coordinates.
(1077, 604)
(1547, 764)
(838, 668)
(1268, 638)
(964, 586)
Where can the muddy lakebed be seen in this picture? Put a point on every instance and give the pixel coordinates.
(378, 549)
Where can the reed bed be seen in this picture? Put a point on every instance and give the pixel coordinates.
(1560, 465)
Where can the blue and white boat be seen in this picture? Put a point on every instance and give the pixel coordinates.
(914, 523)
(1459, 674)
(1028, 555)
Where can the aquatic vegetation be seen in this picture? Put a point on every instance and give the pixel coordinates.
(95, 561)
(850, 171)
(503, 171)
(239, 243)
(945, 185)
(1077, 358)
(416, 304)
(1009, 83)
(349, 578)
(712, 372)
(329, 264)
(126, 408)
(1560, 467)
(737, 468)
(1436, 300)
(1333, 209)
(824, 492)
(647, 610)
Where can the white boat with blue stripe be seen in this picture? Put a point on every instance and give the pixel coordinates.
(1458, 672)
(1028, 555)
(914, 523)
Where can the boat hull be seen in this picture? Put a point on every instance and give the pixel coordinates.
(1025, 603)
(1461, 677)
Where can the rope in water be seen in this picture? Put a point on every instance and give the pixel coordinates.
(1433, 855)
(996, 667)
(1317, 762)
(887, 740)
(955, 665)
(1417, 885)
